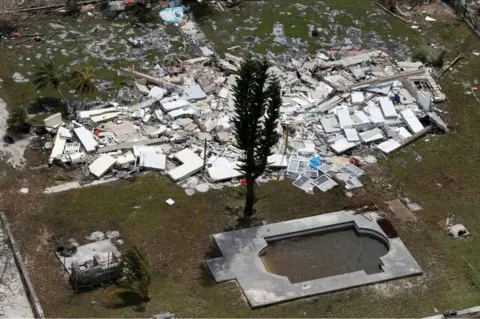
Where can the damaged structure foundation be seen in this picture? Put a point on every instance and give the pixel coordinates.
(358, 106)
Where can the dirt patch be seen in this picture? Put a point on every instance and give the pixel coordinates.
(397, 287)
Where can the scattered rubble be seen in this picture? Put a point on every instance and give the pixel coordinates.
(455, 230)
(96, 236)
(338, 115)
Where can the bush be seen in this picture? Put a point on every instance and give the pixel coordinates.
(429, 55)
(17, 120)
(420, 54)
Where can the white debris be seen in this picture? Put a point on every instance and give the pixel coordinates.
(412, 121)
(86, 138)
(18, 78)
(202, 188)
(190, 191)
(170, 202)
(101, 165)
(370, 159)
(354, 105)
(222, 169)
(388, 109)
(191, 163)
(112, 234)
(156, 93)
(458, 230)
(96, 236)
(53, 121)
(24, 190)
(152, 160)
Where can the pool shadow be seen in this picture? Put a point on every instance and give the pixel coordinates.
(206, 278)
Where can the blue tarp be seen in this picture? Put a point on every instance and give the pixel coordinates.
(315, 162)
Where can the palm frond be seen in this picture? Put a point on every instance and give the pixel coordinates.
(81, 80)
(49, 73)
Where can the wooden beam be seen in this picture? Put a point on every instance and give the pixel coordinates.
(55, 6)
(390, 12)
(446, 68)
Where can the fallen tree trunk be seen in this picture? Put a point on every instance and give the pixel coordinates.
(55, 6)
(393, 14)
(149, 78)
(446, 68)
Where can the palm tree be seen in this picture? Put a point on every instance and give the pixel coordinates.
(137, 274)
(52, 74)
(81, 80)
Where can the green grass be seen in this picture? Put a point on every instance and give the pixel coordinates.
(23, 58)
(177, 238)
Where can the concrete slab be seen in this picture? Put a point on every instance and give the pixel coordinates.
(223, 171)
(58, 144)
(341, 144)
(153, 160)
(241, 250)
(53, 121)
(191, 163)
(101, 165)
(388, 109)
(277, 161)
(412, 121)
(86, 138)
(372, 135)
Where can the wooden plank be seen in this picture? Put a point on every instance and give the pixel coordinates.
(400, 210)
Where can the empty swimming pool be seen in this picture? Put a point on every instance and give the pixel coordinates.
(324, 254)
(313, 255)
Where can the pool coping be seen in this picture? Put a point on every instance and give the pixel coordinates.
(241, 261)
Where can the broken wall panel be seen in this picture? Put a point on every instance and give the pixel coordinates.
(86, 138)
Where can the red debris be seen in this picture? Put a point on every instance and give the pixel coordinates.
(355, 161)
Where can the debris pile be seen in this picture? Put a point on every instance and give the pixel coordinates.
(362, 104)
(455, 230)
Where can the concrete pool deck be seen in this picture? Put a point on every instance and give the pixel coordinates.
(241, 250)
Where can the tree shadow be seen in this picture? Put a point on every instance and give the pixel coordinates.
(244, 222)
(47, 104)
(128, 299)
(199, 10)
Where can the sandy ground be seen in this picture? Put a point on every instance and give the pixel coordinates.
(13, 299)
(12, 153)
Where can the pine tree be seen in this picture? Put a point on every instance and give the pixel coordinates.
(257, 106)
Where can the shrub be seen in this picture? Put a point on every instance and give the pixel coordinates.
(420, 54)
(17, 120)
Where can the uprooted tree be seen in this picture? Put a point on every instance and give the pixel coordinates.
(257, 105)
(137, 270)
